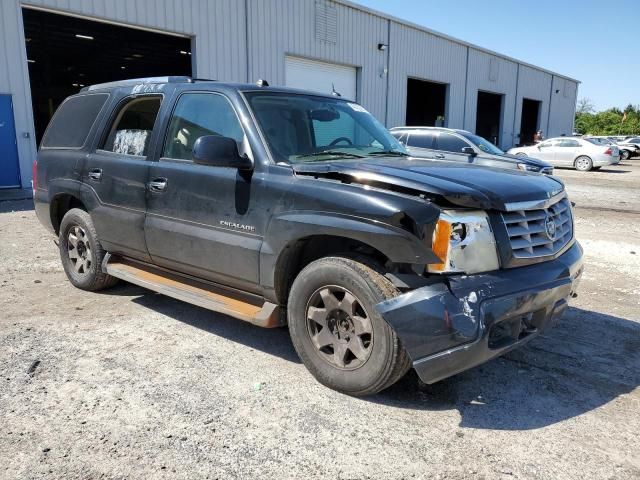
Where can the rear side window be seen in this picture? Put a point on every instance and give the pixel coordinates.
(131, 130)
(73, 120)
(421, 140)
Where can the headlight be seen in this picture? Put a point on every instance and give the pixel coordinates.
(464, 242)
(528, 167)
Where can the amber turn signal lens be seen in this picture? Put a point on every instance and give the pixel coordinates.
(440, 244)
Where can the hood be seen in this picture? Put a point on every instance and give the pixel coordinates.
(459, 184)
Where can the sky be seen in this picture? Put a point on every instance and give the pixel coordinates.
(593, 41)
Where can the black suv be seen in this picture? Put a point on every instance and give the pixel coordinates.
(283, 207)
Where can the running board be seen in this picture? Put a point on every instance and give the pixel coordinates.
(266, 314)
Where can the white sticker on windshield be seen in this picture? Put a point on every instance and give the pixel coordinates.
(358, 108)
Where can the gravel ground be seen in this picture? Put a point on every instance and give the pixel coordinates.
(130, 384)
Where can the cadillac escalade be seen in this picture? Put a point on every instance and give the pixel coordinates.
(283, 207)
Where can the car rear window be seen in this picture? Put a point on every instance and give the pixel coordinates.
(73, 120)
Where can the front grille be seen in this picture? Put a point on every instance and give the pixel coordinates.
(531, 232)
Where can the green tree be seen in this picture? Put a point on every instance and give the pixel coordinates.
(608, 122)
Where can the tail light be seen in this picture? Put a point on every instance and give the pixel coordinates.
(34, 175)
(608, 151)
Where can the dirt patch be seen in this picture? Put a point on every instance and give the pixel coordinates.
(131, 384)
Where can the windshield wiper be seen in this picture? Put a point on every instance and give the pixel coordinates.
(389, 153)
(333, 153)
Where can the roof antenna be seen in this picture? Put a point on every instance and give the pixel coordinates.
(262, 83)
(333, 91)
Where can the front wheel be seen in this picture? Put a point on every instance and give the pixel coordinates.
(583, 163)
(81, 252)
(338, 334)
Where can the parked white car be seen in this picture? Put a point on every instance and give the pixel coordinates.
(627, 150)
(571, 152)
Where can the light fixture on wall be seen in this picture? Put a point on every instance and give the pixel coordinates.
(382, 47)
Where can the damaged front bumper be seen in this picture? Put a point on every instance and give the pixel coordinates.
(464, 321)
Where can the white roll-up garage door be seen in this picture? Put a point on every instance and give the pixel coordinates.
(320, 76)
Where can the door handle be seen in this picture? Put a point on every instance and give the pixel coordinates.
(157, 184)
(95, 174)
(439, 155)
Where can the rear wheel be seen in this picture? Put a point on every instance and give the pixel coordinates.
(625, 154)
(338, 334)
(81, 252)
(583, 163)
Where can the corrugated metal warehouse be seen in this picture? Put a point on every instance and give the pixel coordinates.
(402, 73)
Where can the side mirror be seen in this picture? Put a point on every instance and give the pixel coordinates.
(219, 151)
(469, 151)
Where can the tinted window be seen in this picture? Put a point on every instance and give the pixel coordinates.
(131, 130)
(450, 143)
(634, 140)
(568, 143)
(197, 115)
(70, 125)
(421, 140)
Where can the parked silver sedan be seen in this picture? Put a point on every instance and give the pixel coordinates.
(571, 152)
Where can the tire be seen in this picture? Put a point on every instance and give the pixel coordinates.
(625, 154)
(583, 163)
(82, 262)
(353, 289)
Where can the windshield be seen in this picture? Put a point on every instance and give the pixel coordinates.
(307, 128)
(483, 144)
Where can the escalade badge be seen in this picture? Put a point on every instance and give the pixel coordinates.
(550, 227)
(238, 226)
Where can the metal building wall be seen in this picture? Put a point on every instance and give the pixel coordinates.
(288, 27)
(534, 85)
(563, 107)
(219, 49)
(242, 40)
(419, 54)
(496, 75)
(14, 79)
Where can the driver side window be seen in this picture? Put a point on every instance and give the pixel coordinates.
(197, 115)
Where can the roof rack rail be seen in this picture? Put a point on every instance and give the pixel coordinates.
(137, 81)
(194, 80)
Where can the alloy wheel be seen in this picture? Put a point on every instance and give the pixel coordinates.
(79, 250)
(339, 327)
(583, 164)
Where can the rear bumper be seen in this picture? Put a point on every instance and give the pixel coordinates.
(450, 327)
(604, 161)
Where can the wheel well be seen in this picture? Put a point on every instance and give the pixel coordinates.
(60, 205)
(302, 252)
